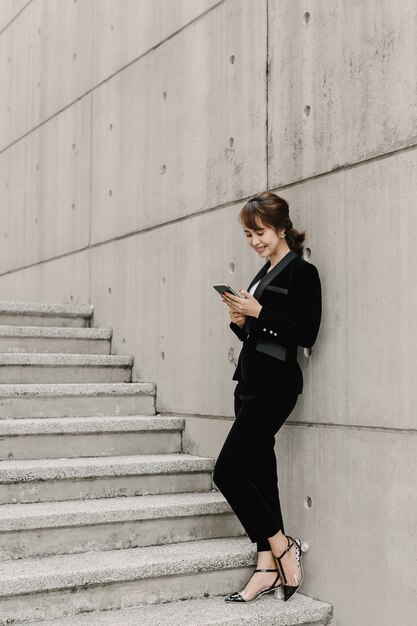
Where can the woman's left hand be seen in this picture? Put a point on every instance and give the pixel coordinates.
(248, 306)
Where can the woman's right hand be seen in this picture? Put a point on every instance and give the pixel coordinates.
(237, 318)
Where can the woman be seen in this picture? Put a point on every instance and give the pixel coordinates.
(280, 311)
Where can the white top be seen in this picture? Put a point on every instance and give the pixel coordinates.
(253, 288)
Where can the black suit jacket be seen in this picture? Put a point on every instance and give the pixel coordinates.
(290, 317)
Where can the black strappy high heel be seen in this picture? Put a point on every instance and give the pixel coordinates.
(237, 597)
(300, 547)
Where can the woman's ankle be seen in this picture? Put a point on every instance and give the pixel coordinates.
(266, 560)
(278, 543)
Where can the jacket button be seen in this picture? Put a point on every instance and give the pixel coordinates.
(271, 332)
(264, 330)
(275, 334)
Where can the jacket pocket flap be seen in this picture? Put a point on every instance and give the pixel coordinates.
(277, 289)
(271, 349)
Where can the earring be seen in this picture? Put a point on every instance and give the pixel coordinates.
(283, 235)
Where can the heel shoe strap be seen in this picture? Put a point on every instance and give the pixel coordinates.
(278, 558)
(266, 570)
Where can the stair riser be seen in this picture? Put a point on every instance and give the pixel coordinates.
(116, 536)
(82, 489)
(269, 611)
(226, 621)
(52, 346)
(124, 594)
(88, 445)
(77, 406)
(43, 320)
(18, 374)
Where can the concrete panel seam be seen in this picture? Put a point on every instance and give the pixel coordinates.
(42, 261)
(219, 207)
(159, 44)
(134, 233)
(356, 427)
(121, 69)
(15, 17)
(349, 166)
(289, 423)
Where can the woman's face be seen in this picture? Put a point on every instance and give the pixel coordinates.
(264, 240)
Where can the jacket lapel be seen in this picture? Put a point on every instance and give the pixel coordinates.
(265, 278)
(269, 277)
(260, 274)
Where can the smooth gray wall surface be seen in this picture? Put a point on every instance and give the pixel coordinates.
(9, 10)
(162, 127)
(131, 133)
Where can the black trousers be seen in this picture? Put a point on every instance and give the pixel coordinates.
(246, 469)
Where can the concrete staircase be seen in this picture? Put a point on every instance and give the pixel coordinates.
(103, 518)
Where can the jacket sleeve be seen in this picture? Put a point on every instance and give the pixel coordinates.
(239, 332)
(300, 325)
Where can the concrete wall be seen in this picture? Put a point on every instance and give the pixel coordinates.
(131, 132)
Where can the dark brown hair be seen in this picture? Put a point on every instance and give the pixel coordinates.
(271, 210)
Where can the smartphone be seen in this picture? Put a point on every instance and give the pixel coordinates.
(222, 287)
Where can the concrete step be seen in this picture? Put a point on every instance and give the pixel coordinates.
(37, 314)
(48, 480)
(70, 527)
(55, 340)
(66, 400)
(299, 611)
(64, 368)
(54, 438)
(57, 586)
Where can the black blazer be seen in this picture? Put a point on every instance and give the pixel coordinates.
(290, 317)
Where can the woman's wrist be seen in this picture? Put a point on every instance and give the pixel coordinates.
(258, 311)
